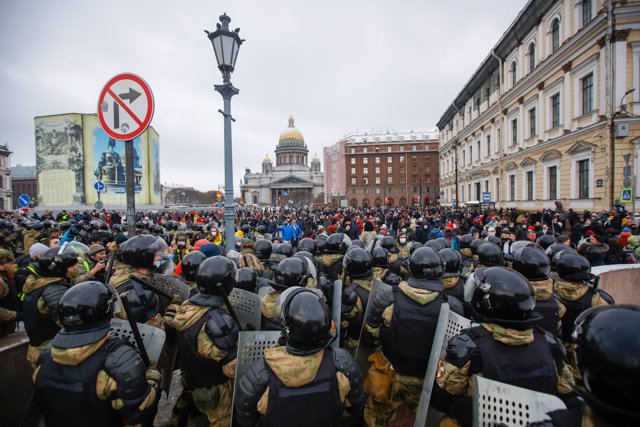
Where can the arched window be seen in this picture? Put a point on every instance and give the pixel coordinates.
(555, 35)
(514, 73)
(532, 56)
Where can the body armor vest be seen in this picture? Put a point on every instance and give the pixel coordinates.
(198, 371)
(407, 341)
(316, 404)
(40, 327)
(574, 308)
(550, 315)
(530, 366)
(355, 325)
(10, 301)
(66, 395)
(332, 273)
(457, 291)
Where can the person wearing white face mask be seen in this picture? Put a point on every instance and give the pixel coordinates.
(403, 246)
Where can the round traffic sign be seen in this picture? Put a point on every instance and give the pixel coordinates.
(99, 205)
(99, 186)
(125, 107)
(24, 200)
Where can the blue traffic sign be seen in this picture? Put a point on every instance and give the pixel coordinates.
(99, 186)
(486, 197)
(24, 200)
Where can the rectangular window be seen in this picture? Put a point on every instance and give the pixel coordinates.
(353, 150)
(377, 170)
(401, 159)
(414, 159)
(377, 159)
(553, 182)
(555, 110)
(583, 179)
(488, 145)
(530, 185)
(532, 122)
(470, 154)
(377, 191)
(353, 181)
(353, 160)
(389, 180)
(402, 148)
(514, 132)
(353, 171)
(413, 148)
(364, 150)
(586, 12)
(365, 160)
(365, 170)
(512, 187)
(366, 181)
(389, 149)
(389, 169)
(389, 159)
(377, 180)
(496, 190)
(587, 94)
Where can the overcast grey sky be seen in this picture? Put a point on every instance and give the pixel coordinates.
(337, 66)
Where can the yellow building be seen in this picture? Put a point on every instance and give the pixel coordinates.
(552, 113)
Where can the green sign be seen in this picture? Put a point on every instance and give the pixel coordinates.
(626, 195)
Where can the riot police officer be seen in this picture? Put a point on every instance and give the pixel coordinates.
(189, 265)
(451, 280)
(355, 296)
(262, 250)
(57, 268)
(381, 267)
(395, 262)
(138, 254)
(505, 347)
(533, 264)
(8, 296)
(305, 381)
(290, 272)
(207, 340)
(88, 378)
(489, 255)
(404, 319)
(334, 250)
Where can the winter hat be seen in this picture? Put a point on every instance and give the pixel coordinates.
(120, 239)
(37, 249)
(199, 244)
(95, 249)
(234, 256)
(368, 226)
(209, 250)
(589, 233)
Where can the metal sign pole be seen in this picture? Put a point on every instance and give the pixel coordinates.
(131, 194)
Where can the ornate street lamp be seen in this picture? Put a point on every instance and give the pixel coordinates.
(226, 44)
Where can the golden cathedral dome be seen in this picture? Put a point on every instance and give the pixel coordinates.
(291, 133)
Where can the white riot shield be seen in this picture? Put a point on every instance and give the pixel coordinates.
(364, 350)
(152, 337)
(495, 402)
(449, 325)
(171, 286)
(248, 308)
(251, 347)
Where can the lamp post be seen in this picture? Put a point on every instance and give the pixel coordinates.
(226, 44)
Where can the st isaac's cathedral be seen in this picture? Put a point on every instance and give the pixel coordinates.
(291, 182)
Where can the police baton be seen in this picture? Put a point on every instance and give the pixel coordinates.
(136, 332)
(107, 276)
(225, 298)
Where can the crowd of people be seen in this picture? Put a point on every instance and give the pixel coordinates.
(540, 320)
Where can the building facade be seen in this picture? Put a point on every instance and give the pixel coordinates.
(388, 168)
(73, 154)
(291, 182)
(5, 178)
(335, 178)
(24, 180)
(551, 114)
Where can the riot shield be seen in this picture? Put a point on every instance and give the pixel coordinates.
(336, 310)
(251, 347)
(248, 308)
(449, 325)
(152, 337)
(511, 405)
(171, 285)
(365, 350)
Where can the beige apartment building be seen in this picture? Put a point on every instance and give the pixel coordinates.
(552, 113)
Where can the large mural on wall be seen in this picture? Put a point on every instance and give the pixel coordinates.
(154, 165)
(110, 163)
(60, 159)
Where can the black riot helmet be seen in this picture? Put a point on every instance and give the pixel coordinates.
(490, 254)
(246, 279)
(190, 264)
(308, 256)
(65, 226)
(502, 296)
(337, 243)
(86, 305)
(307, 322)
(443, 242)
(357, 244)
(55, 261)
(415, 245)
(37, 225)
(573, 267)
(143, 304)
(291, 272)
(546, 240)
(494, 239)
(475, 245)
(532, 263)
(285, 249)
(216, 276)
(358, 263)
(262, 249)
(465, 241)
(554, 250)
(426, 269)
(261, 229)
(320, 244)
(519, 244)
(452, 262)
(308, 245)
(380, 257)
(140, 251)
(607, 352)
(246, 229)
(389, 243)
(434, 244)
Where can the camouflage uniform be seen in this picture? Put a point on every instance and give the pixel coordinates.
(30, 237)
(8, 298)
(355, 317)
(214, 401)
